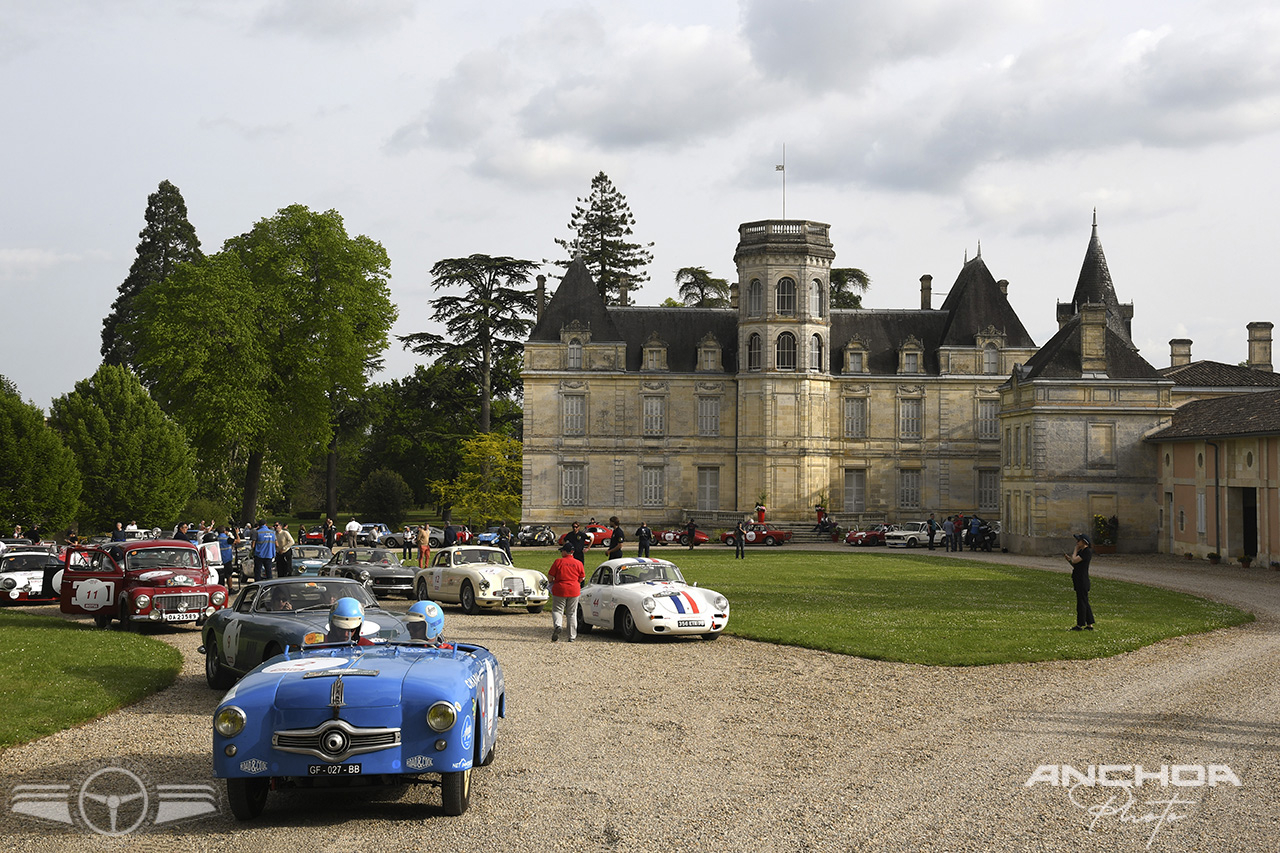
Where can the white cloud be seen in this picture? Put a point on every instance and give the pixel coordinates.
(335, 20)
(28, 264)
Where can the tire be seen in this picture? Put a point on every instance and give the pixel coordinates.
(684, 540)
(537, 608)
(218, 677)
(455, 792)
(467, 598)
(247, 797)
(626, 625)
(730, 541)
(102, 620)
(584, 627)
(604, 543)
(488, 759)
(392, 542)
(422, 592)
(911, 543)
(769, 540)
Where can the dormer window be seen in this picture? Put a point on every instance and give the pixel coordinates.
(574, 359)
(855, 356)
(709, 354)
(655, 353)
(990, 360)
(911, 356)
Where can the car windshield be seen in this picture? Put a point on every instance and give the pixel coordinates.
(481, 556)
(299, 595)
(310, 552)
(650, 572)
(370, 555)
(163, 558)
(18, 562)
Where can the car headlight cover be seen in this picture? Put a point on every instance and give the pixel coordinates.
(141, 601)
(649, 605)
(219, 596)
(721, 602)
(229, 721)
(441, 716)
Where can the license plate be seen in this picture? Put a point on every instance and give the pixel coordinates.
(333, 769)
(181, 617)
(690, 623)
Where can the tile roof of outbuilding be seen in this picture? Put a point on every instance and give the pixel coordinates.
(1255, 413)
(1216, 374)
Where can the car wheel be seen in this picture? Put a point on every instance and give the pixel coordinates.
(393, 542)
(488, 759)
(102, 620)
(584, 627)
(730, 541)
(627, 625)
(769, 540)
(455, 792)
(247, 797)
(604, 543)
(536, 608)
(467, 598)
(911, 543)
(423, 593)
(684, 540)
(215, 673)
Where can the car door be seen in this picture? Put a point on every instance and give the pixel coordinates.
(441, 572)
(92, 583)
(597, 599)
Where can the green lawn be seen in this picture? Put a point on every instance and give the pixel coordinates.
(56, 674)
(932, 609)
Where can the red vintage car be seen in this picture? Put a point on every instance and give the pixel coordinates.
(597, 535)
(873, 535)
(679, 536)
(140, 583)
(758, 534)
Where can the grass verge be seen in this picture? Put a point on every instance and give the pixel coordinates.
(934, 610)
(56, 674)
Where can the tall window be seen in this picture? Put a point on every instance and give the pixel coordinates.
(653, 359)
(988, 489)
(815, 298)
(1017, 446)
(651, 486)
(855, 490)
(1026, 448)
(990, 359)
(573, 481)
(911, 362)
(815, 353)
(989, 419)
(655, 416)
(786, 297)
(708, 416)
(708, 489)
(755, 298)
(575, 354)
(855, 417)
(856, 363)
(785, 352)
(753, 352)
(909, 488)
(710, 358)
(574, 414)
(909, 425)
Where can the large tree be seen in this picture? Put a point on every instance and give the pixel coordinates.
(167, 240)
(699, 289)
(847, 286)
(250, 348)
(134, 461)
(487, 323)
(488, 488)
(39, 480)
(601, 224)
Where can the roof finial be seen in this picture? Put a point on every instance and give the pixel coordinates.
(979, 248)
(966, 254)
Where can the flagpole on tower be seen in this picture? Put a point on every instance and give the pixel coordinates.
(783, 169)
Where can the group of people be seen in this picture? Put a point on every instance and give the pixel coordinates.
(957, 531)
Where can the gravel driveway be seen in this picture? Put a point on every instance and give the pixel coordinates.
(734, 745)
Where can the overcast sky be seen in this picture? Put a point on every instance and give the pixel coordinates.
(915, 128)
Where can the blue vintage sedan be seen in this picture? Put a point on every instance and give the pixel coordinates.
(331, 715)
(269, 616)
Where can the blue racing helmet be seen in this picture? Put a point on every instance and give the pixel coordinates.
(426, 621)
(346, 614)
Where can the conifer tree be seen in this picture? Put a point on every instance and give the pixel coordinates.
(847, 286)
(699, 289)
(601, 229)
(167, 240)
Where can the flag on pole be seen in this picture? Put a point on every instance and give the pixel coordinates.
(779, 168)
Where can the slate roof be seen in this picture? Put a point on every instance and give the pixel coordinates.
(682, 330)
(1059, 358)
(976, 302)
(1216, 374)
(1222, 417)
(577, 298)
(883, 331)
(1094, 286)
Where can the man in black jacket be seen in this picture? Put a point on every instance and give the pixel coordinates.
(1080, 559)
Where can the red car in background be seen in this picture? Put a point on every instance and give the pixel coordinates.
(873, 535)
(596, 535)
(679, 536)
(758, 534)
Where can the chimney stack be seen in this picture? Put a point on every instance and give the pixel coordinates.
(734, 291)
(622, 292)
(1260, 346)
(542, 295)
(1093, 339)
(926, 292)
(1179, 352)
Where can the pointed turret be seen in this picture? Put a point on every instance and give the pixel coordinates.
(1094, 287)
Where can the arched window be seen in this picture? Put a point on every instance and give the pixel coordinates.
(575, 354)
(815, 353)
(785, 352)
(753, 353)
(815, 298)
(990, 359)
(755, 298)
(786, 297)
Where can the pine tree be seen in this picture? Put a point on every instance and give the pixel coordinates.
(167, 240)
(699, 289)
(847, 286)
(601, 229)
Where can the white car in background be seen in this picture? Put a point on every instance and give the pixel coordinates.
(480, 578)
(911, 535)
(638, 595)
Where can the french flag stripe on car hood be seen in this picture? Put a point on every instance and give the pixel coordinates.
(676, 600)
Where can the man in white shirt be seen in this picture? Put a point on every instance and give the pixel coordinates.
(353, 531)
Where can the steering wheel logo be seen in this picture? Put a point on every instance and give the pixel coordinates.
(113, 801)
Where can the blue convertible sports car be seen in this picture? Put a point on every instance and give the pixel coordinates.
(267, 617)
(344, 714)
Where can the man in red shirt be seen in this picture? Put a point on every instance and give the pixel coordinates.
(567, 575)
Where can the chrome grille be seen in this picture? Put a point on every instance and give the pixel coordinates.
(514, 586)
(335, 740)
(180, 602)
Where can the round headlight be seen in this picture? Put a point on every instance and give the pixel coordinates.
(649, 605)
(544, 583)
(141, 601)
(484, 585)
(365, 577)
(721, 603)
(441, 716)
(218, 597)
(8, 583)
(229, 721)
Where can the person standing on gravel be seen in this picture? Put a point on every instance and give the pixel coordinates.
(567, 575)
(615, 540)
(1080, 559)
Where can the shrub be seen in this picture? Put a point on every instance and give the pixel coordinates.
(385, 497)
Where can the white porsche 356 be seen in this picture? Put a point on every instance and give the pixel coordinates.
(638, 595)
(480, 578)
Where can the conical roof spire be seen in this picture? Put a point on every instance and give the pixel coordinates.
(1094, 286)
